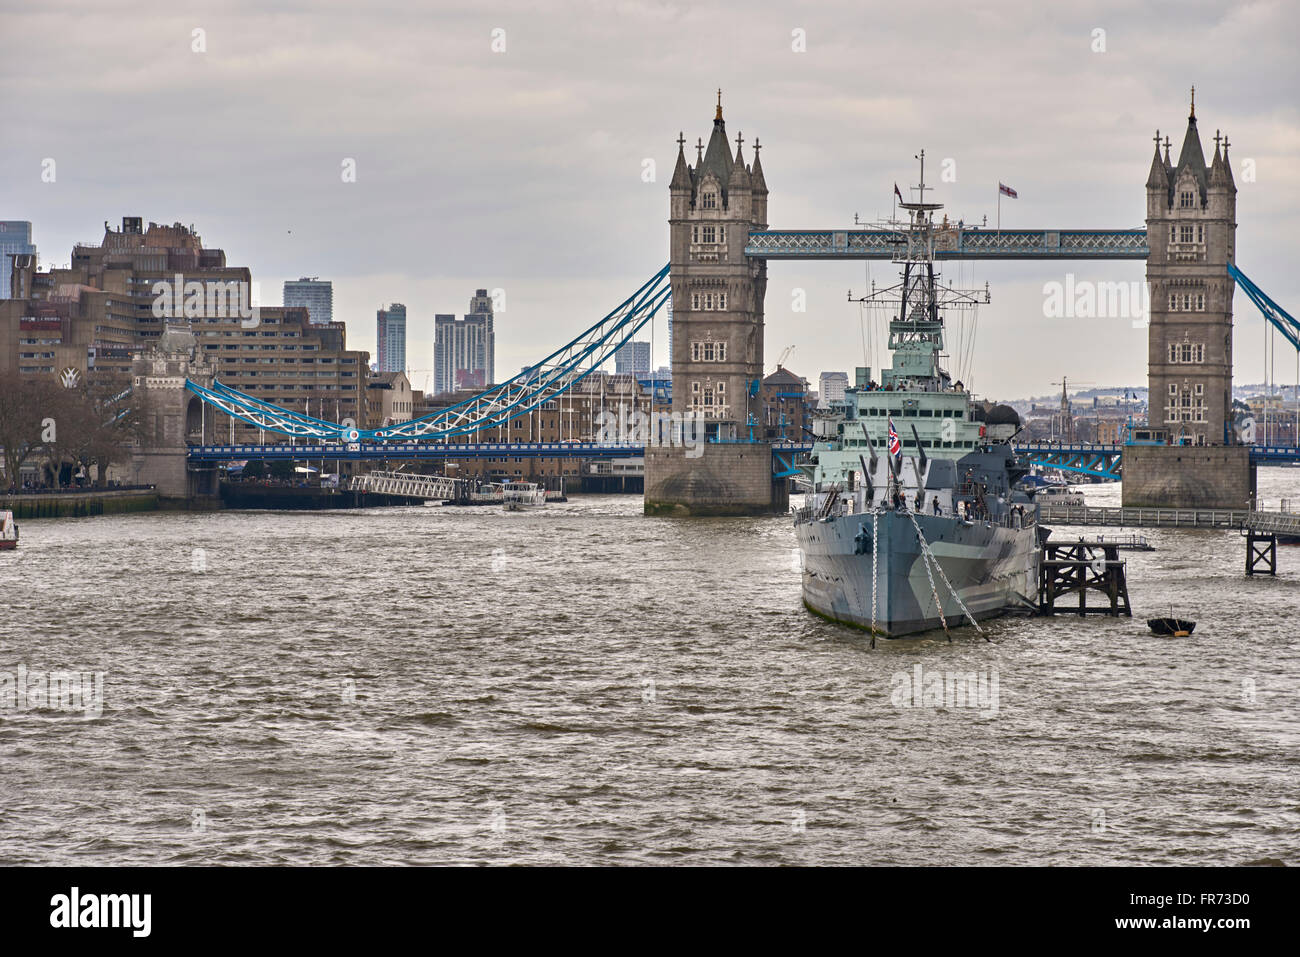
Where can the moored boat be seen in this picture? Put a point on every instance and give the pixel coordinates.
(518, 496)
(8, 531)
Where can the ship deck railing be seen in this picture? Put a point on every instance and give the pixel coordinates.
(1011, 519)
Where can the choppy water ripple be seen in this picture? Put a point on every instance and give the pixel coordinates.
(585, 685)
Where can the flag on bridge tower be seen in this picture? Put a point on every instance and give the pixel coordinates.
(1004, 190)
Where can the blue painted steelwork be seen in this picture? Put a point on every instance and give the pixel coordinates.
(952, 243)
(359, 451)
(1106, 461)
(781, 467)
(532, 388)
(1096, 461)
(1281, 319)
(1264, 454)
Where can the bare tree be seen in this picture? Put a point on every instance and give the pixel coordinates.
(110, 422)
(30, 409)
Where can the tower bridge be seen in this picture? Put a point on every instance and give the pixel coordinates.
(716, 281)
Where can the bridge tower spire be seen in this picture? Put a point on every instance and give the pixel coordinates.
(717, 340)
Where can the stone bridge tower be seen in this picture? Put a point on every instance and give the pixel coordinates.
(172, 416)
(1191, 232)
(717, 338)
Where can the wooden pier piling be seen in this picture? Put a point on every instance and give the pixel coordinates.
(1081, 568)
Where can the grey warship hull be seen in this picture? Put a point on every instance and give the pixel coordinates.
(992, 567)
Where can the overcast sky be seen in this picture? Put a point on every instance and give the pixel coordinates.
(522, 169)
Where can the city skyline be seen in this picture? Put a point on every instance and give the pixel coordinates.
(558, 151)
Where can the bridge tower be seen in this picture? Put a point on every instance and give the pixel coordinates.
(717, 336)
(1191, 230)
(172, 416)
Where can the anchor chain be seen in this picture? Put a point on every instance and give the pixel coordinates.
(925, 561)
(875, 551)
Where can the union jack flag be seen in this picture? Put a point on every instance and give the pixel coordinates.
(895, 446)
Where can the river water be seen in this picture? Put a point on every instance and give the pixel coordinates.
(585, 685)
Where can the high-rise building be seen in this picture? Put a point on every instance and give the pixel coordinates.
(480, 305)
(15, 240)
(315, 294)
(830, 388)
(390, 337)
(464, 350)
(633, 357)
(670, 328)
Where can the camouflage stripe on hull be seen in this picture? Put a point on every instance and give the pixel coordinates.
(992, 568)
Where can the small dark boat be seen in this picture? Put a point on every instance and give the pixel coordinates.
(1171, 626)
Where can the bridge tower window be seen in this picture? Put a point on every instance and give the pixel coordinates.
(709, 200)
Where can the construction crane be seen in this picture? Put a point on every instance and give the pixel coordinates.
(785, 354)
(412, 373)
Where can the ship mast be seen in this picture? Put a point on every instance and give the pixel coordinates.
(920, 299)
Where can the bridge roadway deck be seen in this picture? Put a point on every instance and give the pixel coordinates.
(1259, 455)
(436, 450)
(1093, 459)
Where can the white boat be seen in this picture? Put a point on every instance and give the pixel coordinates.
(8, 531)
(1059, 495)
(517, 496)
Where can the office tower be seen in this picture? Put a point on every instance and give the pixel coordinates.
(15, 240)
(315, 294)
(831, 388)
(390, 337)
(464, 350)
(480, 309)
(632, 357)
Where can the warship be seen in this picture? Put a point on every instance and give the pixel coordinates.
(913, 520)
